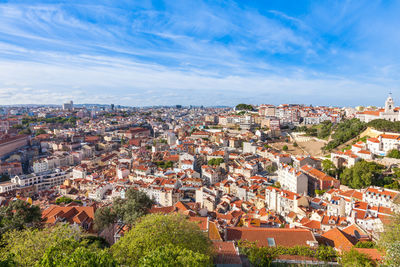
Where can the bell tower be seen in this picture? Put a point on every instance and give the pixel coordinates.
(389, 104)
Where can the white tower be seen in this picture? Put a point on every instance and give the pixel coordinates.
(389, 104)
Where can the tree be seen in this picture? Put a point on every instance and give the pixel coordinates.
(353, 258)
(135, 204)
(64, 200)
(71, 253)
(4, 178)
(389, 241)
(260, 257)
(154, 231)
(26, 131)
(328, 167)
(295, 144)
(171, 255)
(285, 148)
(271, 168)
(104, 217)
(394, 153)
(344, 131)
(18, 215)
(244, 107)
(40, 131)
(26, 247)
(385, 125)
(215, 161)
(365, 244)
(362, 174)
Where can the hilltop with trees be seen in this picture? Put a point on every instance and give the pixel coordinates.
(244, 107)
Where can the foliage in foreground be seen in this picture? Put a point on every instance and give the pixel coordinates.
(18, 215)
(389, 241)
(263, 256)
(353, 258)
(154, 231)
(60, 245)
(171, 255)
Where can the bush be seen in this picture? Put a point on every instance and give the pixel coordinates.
(215, 161)
(365, 244)
(263, 256)
(353, 258)
(155, 231)
(385, 125)
(362, 174)
(394, 153)
(64, 200)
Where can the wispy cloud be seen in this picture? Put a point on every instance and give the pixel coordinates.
(184, 51)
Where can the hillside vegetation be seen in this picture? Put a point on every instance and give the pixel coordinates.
(345, 131)
(385, 126)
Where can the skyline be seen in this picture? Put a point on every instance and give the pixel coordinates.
(199, 52)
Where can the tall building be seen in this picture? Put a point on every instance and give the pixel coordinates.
(68, 106)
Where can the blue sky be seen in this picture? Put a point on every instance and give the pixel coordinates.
(143, 53)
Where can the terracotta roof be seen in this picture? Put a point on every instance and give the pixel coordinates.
(317, 173)
(339, 239)
(71, 214)
(282, 236)
(202, 222)
(213, 232)
(226, 253)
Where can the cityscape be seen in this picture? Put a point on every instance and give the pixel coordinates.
(179, 141)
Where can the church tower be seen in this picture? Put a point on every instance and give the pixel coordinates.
(389, 104)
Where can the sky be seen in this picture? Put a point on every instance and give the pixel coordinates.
(144, 53)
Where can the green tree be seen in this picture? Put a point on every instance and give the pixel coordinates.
(385, 125)
(40, 131)
(215, 161)
(65, 200)
(135, 204)
(26, 131)
(394, 153)
(4, 178)
(261, 257)
(244, 107)
(154, 231)
(389, 241)
(362, 174)
(271, 168)
(328, 167)
(171, 255)
(104, 217)
(71, 253)
(26, 247)
(344, 131)
(19, 214)
(365, 244)
(285, 148)
(353, 258)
